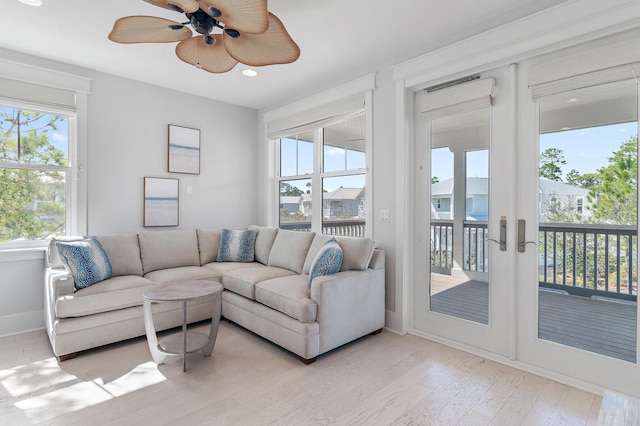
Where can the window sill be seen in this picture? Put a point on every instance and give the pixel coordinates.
(22, 254)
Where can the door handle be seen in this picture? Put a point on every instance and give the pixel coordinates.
(503, 234)
(521, 236)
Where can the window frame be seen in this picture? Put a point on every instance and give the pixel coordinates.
(30, 76)
(70, 170)
(318, 174)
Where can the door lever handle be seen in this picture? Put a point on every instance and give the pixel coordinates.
(521, 236)
(503, 234)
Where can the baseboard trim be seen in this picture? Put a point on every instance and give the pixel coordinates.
(21, 323)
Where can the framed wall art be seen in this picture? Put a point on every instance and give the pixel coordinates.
(184, 150)
(161, 201)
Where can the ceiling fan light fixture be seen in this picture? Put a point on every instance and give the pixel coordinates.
(249, 34)
(175, 7)
(215, 12)
(232, 33)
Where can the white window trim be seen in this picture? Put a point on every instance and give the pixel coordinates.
(363, 87)
(77, 177)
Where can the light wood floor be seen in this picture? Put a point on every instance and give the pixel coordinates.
(377, 380)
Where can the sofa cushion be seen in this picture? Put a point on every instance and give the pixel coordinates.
(168, 249)
(85, 260)
(237, 245)
(318, 241)
(223, 268)
(243, 281)
(264, 242)
(53, 257)
(356, 252)
(208, 244)
(123, 252)
(182, 273)
(327, 261)
(290, 249)
(109, 295)
(289, 295)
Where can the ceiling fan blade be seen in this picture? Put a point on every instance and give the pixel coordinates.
(246, 16)
(147, 29)
(211, 57)
(272, 47)
(177, 5)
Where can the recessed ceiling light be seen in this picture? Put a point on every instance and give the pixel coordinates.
(32, 2)
(249, 73)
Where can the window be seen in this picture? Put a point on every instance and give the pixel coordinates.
(319, 153)
(580, 205)
(340, 173)
(34, 172)
(39, 176)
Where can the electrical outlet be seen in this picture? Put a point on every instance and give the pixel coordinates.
(384, 216)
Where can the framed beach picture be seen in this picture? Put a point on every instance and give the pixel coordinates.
(160, 201)
(184, 150)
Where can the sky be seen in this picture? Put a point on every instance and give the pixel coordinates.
(585, 150)
(59, 137)
(335, 160)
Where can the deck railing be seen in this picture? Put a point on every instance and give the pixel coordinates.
(589, 260)
(338, 227)
(474, 246)
(581, 259)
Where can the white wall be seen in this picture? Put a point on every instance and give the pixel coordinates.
(128, 124)
(126, 141)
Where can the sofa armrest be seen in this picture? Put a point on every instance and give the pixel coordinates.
(377, 259)
(351, 304)
(59, 282)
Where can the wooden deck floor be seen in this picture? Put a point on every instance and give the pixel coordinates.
(599, 326)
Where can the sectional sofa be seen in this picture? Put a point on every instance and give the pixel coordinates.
(268, 291)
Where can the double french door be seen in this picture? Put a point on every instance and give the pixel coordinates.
(526, 237)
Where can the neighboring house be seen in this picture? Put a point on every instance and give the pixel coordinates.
(569, 197)
(290, 203)
(477, 203)
(477, 206)
(306, 204)
(343, 203)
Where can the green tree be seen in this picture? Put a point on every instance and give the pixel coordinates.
(286, 189)
(614, 198)
(32, 201)
(551, 162)
(586, 180)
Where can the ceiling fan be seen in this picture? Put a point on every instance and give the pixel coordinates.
(227, 32)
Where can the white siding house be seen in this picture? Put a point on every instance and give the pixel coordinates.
(553, 195)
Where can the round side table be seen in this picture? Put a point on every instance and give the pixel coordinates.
(188, 341)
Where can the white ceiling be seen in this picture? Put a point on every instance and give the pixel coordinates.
(340, 40)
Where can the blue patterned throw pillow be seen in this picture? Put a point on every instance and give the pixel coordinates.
(237, 246)
(327, 261)
(85, 260)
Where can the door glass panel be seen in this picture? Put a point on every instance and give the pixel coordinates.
(459, 211)
(587, 241)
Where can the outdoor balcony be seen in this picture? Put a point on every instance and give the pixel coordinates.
(587, 283)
